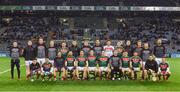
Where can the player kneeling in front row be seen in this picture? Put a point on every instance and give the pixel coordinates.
(115, 64)
(35, 69)
(103, 66)
(126, 71)
(151, 68)
(92, 64)
(81, 64)
(59, 66)
(164, 70)
(136, 65)
(47, 70)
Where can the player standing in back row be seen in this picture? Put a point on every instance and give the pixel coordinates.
(41, 52)
(15, 54)
(108, 49)
(29, 55)
(159, 51)
(51, 52)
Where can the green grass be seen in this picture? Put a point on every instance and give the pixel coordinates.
(173, 84)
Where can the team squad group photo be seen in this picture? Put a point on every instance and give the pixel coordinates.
(97, 61)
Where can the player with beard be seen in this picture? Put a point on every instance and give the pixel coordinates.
(29, 55)
(86, 48)
(74, 48)
(159, 51)
(51, 52)
(108, 49)
(63, 49)
(97, 48)
(115, 64)
(41, 52)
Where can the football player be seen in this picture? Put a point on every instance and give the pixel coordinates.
(164, 70)
(29, 55)
(103, 65)
(35, 69)
(59, 66)
(82, 64)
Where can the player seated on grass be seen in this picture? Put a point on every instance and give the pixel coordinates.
(103, 66)
(35, 69)
(59, 66)
(151, 68)
(164, 70)
(70, 65)
(47, 70)
(136, 65)
(92, 64)
(125, 60)
(81, 62)
(115, 64)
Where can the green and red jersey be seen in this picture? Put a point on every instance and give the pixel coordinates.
(103, 61)
(125, 61)
(81, 61)
(136, 61)
(92, 61)
(70, 61)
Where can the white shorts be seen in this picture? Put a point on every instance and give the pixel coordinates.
(28, 62)
(136, 69)
(125, 69)
(103, 68)
(35, 72)
(158, 60)
(92, 68)
(143, 63)
(80, 68)
(41, 61)
(70, 68)
(46, 73)
(52, 62)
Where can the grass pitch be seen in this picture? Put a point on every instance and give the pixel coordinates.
(173, 84)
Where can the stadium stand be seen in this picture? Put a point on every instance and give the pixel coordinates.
(146, 29)
(93, 2)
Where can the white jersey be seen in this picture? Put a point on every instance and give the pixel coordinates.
(108, 50)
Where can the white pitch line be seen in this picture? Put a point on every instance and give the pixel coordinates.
(9, 70)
